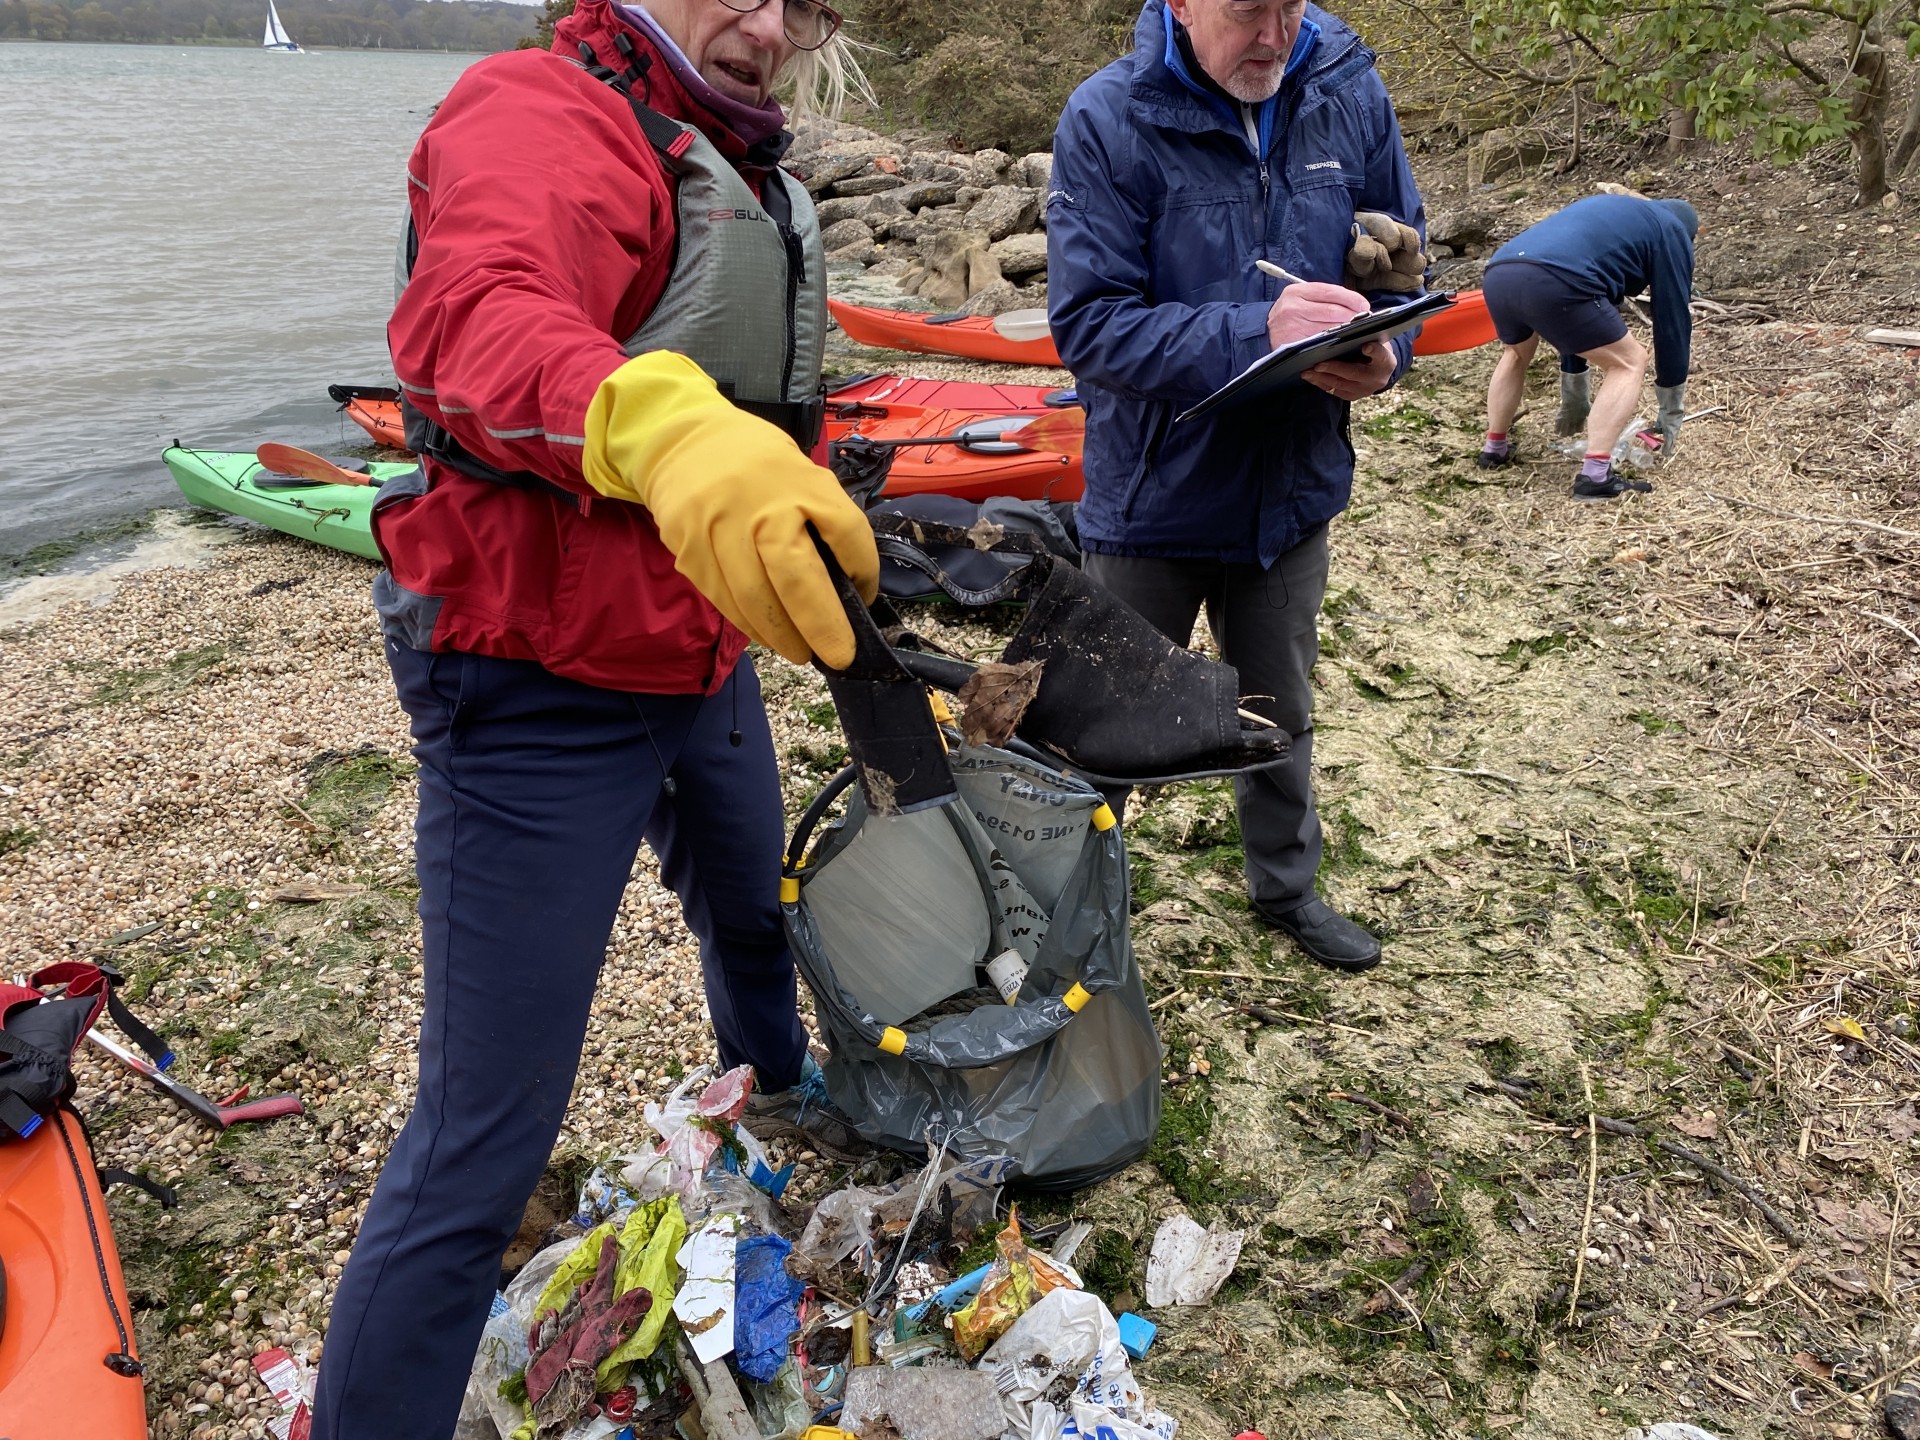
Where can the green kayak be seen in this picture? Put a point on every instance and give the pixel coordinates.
(234, 481)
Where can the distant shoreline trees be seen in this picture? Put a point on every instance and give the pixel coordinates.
(466, 25)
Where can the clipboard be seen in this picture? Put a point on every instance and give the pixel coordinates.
(1277, 367)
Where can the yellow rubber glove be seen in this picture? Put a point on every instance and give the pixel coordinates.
(732, 496)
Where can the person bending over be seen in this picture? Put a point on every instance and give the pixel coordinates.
(1563, 281)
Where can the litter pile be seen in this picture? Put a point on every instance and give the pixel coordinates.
(687, 1299)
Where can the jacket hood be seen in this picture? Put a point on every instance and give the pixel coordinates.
(669, 83)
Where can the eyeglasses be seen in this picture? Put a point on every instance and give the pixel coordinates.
(807, 23)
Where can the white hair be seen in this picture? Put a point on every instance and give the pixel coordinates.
(824, 80)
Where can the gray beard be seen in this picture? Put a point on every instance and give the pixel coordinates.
(1257, 89)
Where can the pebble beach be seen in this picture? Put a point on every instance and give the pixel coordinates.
(204, 778)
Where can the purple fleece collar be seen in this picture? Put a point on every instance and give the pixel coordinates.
(752, 123)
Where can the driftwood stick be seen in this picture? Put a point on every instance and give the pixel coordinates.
(1369, 1103)
(1815, 519)
(1720, 1172)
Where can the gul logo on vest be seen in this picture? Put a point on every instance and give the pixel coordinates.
(714, 217)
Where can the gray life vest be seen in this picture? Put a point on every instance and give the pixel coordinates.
(746, 299)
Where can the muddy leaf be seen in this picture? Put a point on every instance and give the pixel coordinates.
(1395, 1246)
(309, 892)
(985, 534)
(1863, 1220)
(1705, 1126)
(1902, 1124)
(995, 698)
(1423, 1194)
(1846, 1026)
(1813, 1364)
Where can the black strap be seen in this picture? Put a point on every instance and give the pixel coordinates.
(165, 1194)
(121, 1362)
(18, 1116)
(426, 436)
(132, 1025)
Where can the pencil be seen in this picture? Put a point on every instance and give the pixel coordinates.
(1267, 267)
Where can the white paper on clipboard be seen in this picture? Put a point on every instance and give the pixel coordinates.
(1277, 367)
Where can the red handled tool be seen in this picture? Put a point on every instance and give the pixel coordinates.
(219, 1116)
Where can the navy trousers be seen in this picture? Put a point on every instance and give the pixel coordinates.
(535, 793)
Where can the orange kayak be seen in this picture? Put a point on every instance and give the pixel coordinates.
(1463, 327)
(66, 1303)
(972, 337)
(375, 409)
(885, 408)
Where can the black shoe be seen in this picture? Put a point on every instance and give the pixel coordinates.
(1611, 488)
(1493, 459)
(1326, 935)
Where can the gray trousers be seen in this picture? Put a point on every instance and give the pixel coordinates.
(1265, 623)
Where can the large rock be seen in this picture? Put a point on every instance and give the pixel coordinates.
(866, 184)
(922, 193)
(995, 299)
(859, 252)
(1499, 153)
(842, 233)
(1021, 254)
(880, 211)
(987, 167)
(955, 261)
(1036, 170)
(1003, 210)
(818, 172)
(1461, 228)
(833, 211)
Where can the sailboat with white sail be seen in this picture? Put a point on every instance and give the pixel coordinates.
(277, 36)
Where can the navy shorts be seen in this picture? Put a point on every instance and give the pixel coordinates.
(1525, 299)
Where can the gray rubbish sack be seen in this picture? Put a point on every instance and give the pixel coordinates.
(893, 919)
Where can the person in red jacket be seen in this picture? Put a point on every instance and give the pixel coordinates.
(608, 341)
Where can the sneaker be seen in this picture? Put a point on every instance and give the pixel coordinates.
(1328, 937)
(804, 1113)
(1493, 459)
(1614, 486)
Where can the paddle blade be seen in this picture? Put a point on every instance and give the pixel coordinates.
(1064, 432)
(291, 460)
(1021, 325)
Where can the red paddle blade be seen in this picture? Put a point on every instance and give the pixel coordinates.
(1062, 432)
(291, 460)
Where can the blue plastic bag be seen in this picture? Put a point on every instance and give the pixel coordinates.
(766, 1305)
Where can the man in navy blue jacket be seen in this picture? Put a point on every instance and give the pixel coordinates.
(1236, 131)
(1563, 281)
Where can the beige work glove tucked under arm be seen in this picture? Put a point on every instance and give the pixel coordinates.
(1385, 255)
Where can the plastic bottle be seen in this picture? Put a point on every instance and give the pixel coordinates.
(1630, 449)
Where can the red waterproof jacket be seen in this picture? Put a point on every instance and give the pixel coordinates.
(545, 228)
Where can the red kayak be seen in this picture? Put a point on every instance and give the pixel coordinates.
(971, 337)
(1463, 327)
(885, 408)
(66, 1323)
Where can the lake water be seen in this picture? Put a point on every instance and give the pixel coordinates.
(194, 243)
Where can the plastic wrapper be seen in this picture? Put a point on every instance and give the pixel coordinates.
(692, 1130)
(849, 1221)
(1013, 1285)
(1188, 1265)
(779, 1408)
(1070, 1338)
(766, 1306)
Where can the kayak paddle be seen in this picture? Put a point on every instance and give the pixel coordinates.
(1022, 325)
(290, 460)
(1063, 432)
(219, 1116)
